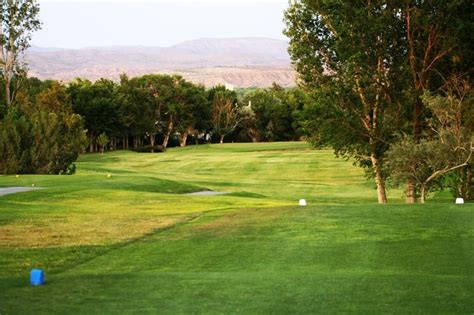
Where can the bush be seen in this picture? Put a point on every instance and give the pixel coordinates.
(15, 143)
(40, 143)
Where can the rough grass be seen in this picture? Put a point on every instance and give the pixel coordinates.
(135, 243)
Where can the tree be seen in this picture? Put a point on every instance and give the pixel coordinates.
(15, 142)
(226, 115)
(276, 113)
(98, 103)
(18, 20)
(57, 133)
(195, 111)
(57, 140)
(139, 110)
(351, 75)
(164, 94)
(103, 140)
(437, 41)
(44, 138)
(449, 148)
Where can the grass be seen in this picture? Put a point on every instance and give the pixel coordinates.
(135, 243)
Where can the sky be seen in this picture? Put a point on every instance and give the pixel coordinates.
(93, 23)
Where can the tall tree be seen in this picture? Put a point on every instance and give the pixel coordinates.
(226, 113)
(349, 55)
(99, 105)
(195, 111)
(18, 20)
(438, 42)
(137, 100)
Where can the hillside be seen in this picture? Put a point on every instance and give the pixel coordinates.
(241, 62)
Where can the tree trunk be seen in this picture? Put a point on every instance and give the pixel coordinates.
(183, 139)
(196, 138)
(469, 183)
(166, 139)
(222, 139)
(91, 143)
(411, 192)
(462, 186)
(381, 194)
(168, 133)
(152, 140)
(8, 96)
(423, 191)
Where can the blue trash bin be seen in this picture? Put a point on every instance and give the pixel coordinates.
(37, 277)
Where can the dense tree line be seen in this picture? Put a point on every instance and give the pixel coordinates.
(144, 113)
(167, 110)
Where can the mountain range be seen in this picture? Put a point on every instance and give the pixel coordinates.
(239, 62)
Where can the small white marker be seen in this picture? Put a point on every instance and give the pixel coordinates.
(459, 201)
(302, 202)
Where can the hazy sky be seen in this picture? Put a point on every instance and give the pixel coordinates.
(76, 23)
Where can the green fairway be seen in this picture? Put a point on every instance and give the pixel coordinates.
(136, 243)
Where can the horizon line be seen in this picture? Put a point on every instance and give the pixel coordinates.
(149, 46)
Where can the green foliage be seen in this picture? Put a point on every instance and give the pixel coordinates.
(277, 113)
(417, 161)
(158, 105)
(103, 140)
(41, 136)
(226, 114)
(352, 75)
(58, 140)
(98, 103)
(449, 146)
(15, 142)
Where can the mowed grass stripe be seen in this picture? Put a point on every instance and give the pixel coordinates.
(135, 243)
(327, 260)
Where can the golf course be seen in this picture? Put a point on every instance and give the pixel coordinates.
(124, 235)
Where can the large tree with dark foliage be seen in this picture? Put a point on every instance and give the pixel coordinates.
(349, 55)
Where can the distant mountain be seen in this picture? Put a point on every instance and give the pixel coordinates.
(242, 62)
(36, 49)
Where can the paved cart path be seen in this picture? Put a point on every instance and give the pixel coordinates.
(12, 190)
(207, 193)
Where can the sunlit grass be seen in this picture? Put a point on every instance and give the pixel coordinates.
(136, 243)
